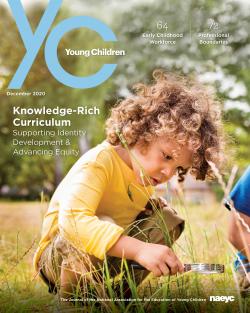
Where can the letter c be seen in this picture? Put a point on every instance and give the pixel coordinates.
(51, 52)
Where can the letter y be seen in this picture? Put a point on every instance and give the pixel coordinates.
(32, 42)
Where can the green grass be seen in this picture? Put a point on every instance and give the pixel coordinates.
(204, 240)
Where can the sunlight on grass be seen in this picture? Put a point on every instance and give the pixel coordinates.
(204, 240)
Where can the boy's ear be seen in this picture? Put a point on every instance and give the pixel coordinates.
(143, 146)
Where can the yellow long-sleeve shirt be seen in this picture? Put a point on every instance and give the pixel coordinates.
(99, 183)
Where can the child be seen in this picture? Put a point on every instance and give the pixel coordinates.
(241, 238)
(164, 129)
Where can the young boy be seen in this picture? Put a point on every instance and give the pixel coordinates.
(240, 196)
(164, 129)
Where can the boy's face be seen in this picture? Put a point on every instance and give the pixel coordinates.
(159, 161)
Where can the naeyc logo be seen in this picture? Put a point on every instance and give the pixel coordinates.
(225, 299)
(33, 42)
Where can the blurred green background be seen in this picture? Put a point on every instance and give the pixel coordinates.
(225, 67)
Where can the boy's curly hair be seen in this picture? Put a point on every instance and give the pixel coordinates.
(177, 107)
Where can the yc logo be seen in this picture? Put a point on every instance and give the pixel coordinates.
(33, 42)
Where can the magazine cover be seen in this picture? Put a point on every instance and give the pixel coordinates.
(125, 156)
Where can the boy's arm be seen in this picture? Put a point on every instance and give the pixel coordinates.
(238, 234)
(235, 236)
(156, 258)
(77, 221)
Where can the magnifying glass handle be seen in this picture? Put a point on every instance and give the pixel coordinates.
(201, 268)
(137, 266)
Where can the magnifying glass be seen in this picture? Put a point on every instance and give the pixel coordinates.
(204, 268)
(201, 268)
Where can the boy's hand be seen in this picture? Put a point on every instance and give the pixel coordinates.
(158, 203)
(158, 259)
